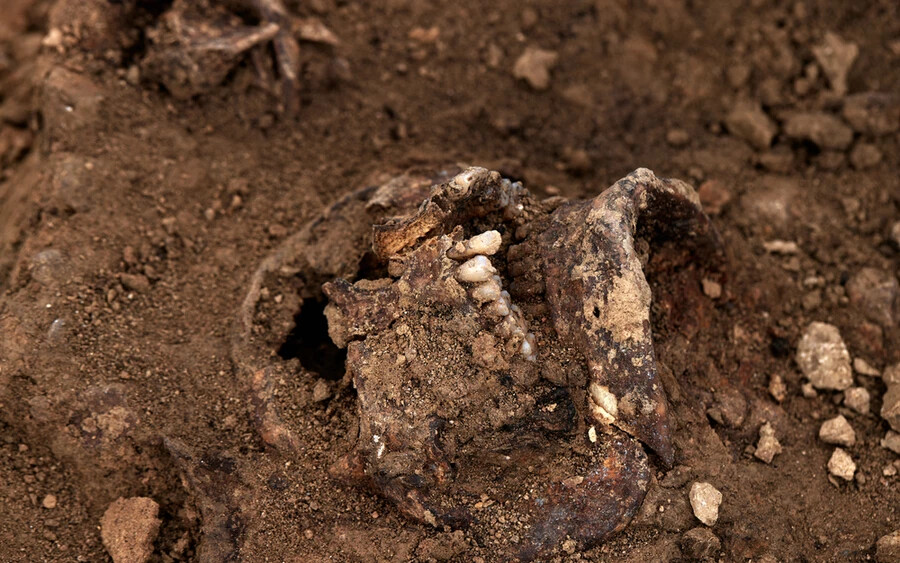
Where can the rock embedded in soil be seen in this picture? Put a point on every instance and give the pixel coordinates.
(777, 387)
(891, 375)
(873, 113)
(534, 66)
(700, 543)
(823, 357)
(768, 446)
(749, 122)
(887, 548)
(837, 431)
(865, 155)
(443, 547)
(841, 465)
(129, 528)
(862, 367)
(890, 407)
(705, 500)
(875, 294)
(49, 502)
(858, 399)
(822, 129)
(836, 57)
(714, 196)
(891, 441)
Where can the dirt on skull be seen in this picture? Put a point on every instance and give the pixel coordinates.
(182, 233)
(508, 332)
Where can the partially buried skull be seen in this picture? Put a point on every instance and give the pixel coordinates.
(501, 350)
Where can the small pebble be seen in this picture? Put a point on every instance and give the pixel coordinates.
(781, 247)
(749, 122)
(837, 431)
(700, 543)
(890, 406)
(705, 500)
(768, 446)
(714, 196)
(822, 129)
(777, 387)
(887, 548)
(873, 113)
(677, 137)
(865, 155)
(321, 391)
(808, 391)
(862, 367)
(874, 292)
(49, 502)
(891, 375)
(836, 57)
(534, 66)
(823, 357)
(711, 288)
(891, 441)
(841, 465)
(857, 398)
(128, 529)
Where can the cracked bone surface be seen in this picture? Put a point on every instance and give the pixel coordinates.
(495, 318)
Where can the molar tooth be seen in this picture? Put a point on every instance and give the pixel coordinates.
(487, 291)
(527, 349)
(498, 308)
(604, 405)
(487, 243)
(475, 270)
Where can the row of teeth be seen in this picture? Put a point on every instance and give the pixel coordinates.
(487, 290)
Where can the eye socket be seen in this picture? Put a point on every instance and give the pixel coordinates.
(309, 342)
(596, 312)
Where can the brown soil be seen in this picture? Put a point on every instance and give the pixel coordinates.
(132, 220)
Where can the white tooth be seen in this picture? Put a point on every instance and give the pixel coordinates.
(515, 309)
(526, 349)
(497, 279)
(487, 291)
(604, 405)
(498, 309)
(475, 270)
(487, 243)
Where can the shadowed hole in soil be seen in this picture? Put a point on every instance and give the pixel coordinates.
(308, 341)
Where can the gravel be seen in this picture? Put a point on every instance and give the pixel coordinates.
(863, 367)
(858, 399)
(705, 500)
(768, 446)
(700, 543)
(129, 527)
(534, 66)
(842, 465)
(891, 441)
(823, 357)
(887, 548)
(875, 294)
(836, 57)
(749, 122)
(890, 406)
(822, 129)
(873, 113)
(837, 431)
(865, 155)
